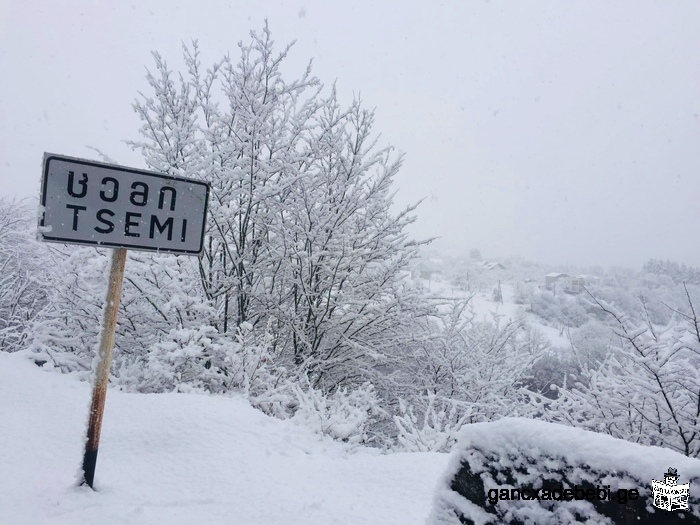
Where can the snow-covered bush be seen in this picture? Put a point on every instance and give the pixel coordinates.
(66, 335)
(552, 371)
(185, 359)
(464, 371)
(251, 367)
(543, 304)
(159, 300)
(300, 282)
(202, 359)
(562, 309)
(479, 364)
(436, 426)
(346, 415)
(591, 343)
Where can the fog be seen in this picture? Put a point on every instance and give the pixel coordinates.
(566, 132)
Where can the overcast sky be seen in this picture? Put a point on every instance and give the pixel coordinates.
(559, 131)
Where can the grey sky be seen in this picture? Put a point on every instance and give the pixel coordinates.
(561, 131)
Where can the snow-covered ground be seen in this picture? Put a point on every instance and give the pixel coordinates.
(189, 459)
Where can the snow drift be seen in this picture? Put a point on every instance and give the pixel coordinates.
(185, 458)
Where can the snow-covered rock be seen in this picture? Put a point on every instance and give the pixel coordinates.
(517, 453)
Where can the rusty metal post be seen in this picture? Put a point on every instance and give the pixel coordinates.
(99, 392)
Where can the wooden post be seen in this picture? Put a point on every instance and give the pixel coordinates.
(99, 392)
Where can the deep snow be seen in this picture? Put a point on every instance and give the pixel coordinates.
(186, 459)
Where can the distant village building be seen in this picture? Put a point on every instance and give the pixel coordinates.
(493, 266)
(573, 284)
(551, 278)
(422, 271)
(590, 279)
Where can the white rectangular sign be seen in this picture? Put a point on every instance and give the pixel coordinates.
(87, 202)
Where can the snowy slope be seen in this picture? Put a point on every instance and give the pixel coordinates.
(485, 308)
(185, 459)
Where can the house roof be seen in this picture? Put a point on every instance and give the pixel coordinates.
(422, 267)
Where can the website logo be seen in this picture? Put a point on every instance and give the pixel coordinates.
(668, 495)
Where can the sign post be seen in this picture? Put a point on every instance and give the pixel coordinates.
(99, 392)
(97, 204)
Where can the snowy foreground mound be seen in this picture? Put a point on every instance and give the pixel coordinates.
(188, 459)
(515, 453)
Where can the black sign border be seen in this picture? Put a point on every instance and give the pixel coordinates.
(48, 157)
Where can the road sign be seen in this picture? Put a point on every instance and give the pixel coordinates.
(88, 202)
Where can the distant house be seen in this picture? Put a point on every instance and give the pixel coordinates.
(422, 271)
(574, 284)
(493, 266)
(570, 283)
(590, 279)
(551, 278)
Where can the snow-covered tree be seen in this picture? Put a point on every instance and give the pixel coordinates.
(680, 273)
(24, 274)
(300, 238)
(239, 126)
(647, 390)
(346, 305)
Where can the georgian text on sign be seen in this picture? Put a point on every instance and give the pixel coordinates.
(87, 202)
